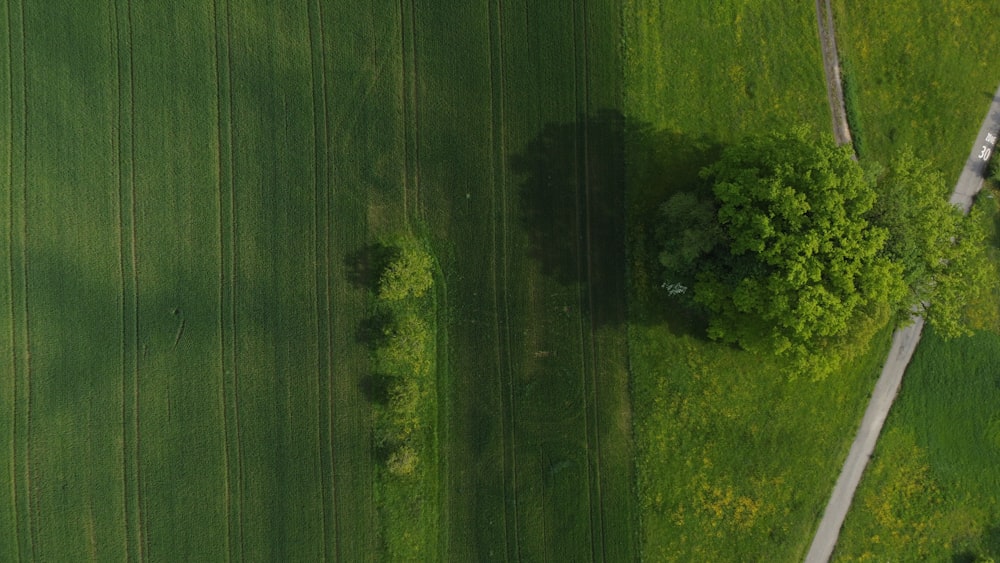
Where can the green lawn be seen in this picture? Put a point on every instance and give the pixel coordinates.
(736, 457)
(928, 493)
(918, 73)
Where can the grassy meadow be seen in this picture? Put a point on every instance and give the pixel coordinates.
(736, 457)
(924, 75)
(918, 73)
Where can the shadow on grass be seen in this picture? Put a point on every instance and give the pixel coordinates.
(373, 330)
(366, 265)
(573, 205)
(375, 388)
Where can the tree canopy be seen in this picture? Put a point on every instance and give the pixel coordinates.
(407, 274)
(793, 249)
(942, 253)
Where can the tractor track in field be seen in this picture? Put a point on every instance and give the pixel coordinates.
(12, 467)
(411, 102)
(831, 68)
(116, 143)
(501, 276)
(142, 545)
(324, 331)
(229, 263)
(587, 302)
(223, 295)
(29, 477)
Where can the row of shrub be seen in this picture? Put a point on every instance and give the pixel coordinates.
(404, 356)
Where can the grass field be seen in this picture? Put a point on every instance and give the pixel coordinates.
(181, 186)
(185, 192)
(928, 492)
(520, 186)
(920, 74)
(735, 459)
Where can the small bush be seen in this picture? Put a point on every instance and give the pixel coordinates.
(403, 462)
(407, 275)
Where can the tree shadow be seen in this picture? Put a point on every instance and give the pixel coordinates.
(366, 265)
(572, 203)
(373, 330)
(375, 387)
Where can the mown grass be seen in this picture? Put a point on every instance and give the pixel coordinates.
(919, 74)
(736, 456)
(928, 492)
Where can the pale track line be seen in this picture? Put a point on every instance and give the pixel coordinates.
(234, 249)
(142, 546)
(590, 285)
(116, 149)
(589, 374)
(322, 173)
(32, 497)
(499, 290)
(10, 285)
(223, 332)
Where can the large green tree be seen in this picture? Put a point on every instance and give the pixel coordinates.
(779, 250)
(793, 249)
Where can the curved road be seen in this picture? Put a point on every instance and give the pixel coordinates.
(904, 341)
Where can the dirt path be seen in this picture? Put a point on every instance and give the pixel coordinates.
(831, 67)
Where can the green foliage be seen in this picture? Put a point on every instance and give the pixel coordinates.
(404, 351)
(408, 274)
(941, 252)
(791, 263)
(403, 462)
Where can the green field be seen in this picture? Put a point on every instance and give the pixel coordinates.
(190, 194)
(924, 76)
(183, 185)
(194, 201)
(918, 73)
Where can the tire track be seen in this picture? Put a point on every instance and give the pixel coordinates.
(498, 200)
(223, 328)
(229, 272)
(139, 510)
(324, 333)
(10, 284)
(598, 539)
(411, 104)
(31, 497)
(831, 68)
(124, 359)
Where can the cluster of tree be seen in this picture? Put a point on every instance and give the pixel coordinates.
(404, 355)
(793, 249)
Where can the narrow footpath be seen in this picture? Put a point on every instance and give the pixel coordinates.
(904, 341)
